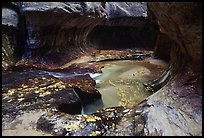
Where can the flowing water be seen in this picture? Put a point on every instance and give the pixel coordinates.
(121, 82)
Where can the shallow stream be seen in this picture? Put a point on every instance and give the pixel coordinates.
(121, 82)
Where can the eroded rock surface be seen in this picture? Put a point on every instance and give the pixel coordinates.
(43, 93)
(13, 38)
(176, 109)
(8, 44)
(57, 34)
(9, 36)
(9, 17)
(117, 121)
(66, 37)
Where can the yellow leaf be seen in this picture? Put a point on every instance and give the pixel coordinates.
(41, 95)
(97, 118)
(91, 120)
(21, 99)
(37, 91)
(20, 89)
(95, 133)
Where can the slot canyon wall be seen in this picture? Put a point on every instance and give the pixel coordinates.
(13, 38)
(176, 109)
(48, 35)
(70, 29)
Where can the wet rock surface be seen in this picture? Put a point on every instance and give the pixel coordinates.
(10, 22)
(66, 37)
(12, 35)
(178, 103)
(117, 121)
(39, 93)
(43, 93)
(57, 36)
(179, 109)
(8, 45)
(85, 62)
(41, 90)
(9, 17)
(85, 87)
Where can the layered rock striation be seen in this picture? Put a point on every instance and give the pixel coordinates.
(58, 32)
(176, 109)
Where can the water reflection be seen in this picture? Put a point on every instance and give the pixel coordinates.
(121, 83)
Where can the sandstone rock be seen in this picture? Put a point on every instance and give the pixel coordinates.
(57, 28)
(39, 93)
(9, 17)
(85, 87)
(176, 109)
(170, 114)
(12, 34)
(126, 9)
(163, 47)
(107, 122)
(66, 37)
(8, 44)
(9, 39)
(176, 25)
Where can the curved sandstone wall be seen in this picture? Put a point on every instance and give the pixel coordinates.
(62, 28)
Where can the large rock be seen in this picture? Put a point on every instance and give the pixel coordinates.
(9, 38)
(8, 44)
(126, 9)
(128, 25)
(60, 29)
(176, 25)
(176, 109)
(85, 87)
(9, 17)
(39, 93)
(13, 38)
